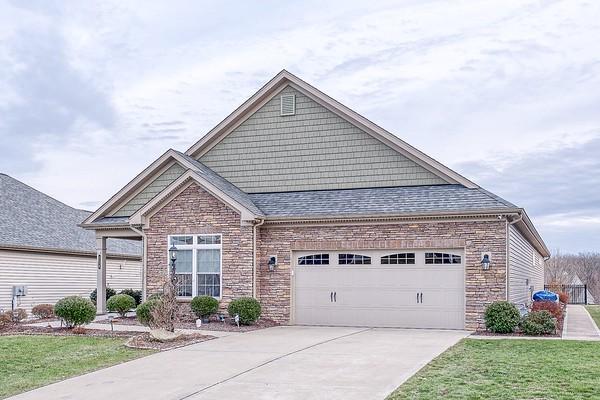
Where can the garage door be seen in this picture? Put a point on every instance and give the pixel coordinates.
(402, 288)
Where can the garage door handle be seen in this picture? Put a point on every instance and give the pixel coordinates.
(331, 297)
(417, 297)
(421, 297)
(335, 297)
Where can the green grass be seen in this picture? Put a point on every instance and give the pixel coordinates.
(595, 313)
(27, 362)
(509, 369)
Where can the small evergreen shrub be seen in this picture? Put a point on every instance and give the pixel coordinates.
(75, 311)
(553, 308)
(109, 293)
(538, 323)
(43, 311)
(143, 312)
(204, 306)
(136, 294)
(120, 303)
(247, 308)
(502, 317)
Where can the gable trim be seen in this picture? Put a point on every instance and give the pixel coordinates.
(142, 216)
(283, 79)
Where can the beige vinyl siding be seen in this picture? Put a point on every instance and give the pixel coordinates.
(312, 150)
(50, 277)
(151, 190)
(525, 263)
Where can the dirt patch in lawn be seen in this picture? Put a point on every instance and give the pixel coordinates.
(21, 329)
(213, 325)
(146, 342)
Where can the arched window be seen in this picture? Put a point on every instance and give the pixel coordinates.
(399, 258)
(353, 259)
(314, 259)
(442, 258)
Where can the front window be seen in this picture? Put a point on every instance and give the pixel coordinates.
(198, 266)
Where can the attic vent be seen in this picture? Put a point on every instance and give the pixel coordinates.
(288, 104)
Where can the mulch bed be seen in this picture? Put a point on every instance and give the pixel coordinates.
(146, 342)
(559, 330)
(217, 326)
(19, 329)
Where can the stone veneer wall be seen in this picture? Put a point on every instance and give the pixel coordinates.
(196, 211)
(482, 287)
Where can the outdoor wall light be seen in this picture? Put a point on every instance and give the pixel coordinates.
(485, 262)
(173, 258)
(272, 263)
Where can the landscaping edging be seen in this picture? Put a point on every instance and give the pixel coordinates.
(145, 342)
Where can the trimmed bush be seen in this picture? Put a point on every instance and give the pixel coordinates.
(563, 297)
(75, 311)
(204, 306)
(143, 312)
(136, 294)
(120, 303)
(502, 317)
(43, 311)
(6, 319)
(109, 293)
(538, 323)
(553, 308)
(247, 308)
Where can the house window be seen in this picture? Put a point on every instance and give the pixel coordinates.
(314, 259)
(348, 259)
(442, 258)
(400, 258)
(198, 266)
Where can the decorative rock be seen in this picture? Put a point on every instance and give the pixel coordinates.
(164, 336)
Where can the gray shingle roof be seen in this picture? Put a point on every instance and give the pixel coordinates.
(224, 185)
(378, 201)
(29, 218)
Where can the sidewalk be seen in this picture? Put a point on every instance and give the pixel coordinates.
(579, 325)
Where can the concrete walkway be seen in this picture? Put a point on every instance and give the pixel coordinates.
(277, 363)
(579, 325)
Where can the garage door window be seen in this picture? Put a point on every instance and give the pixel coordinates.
(314, 259)
(400, 258)
(353, 259)
(442, 258)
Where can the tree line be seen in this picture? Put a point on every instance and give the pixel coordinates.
(571, 269)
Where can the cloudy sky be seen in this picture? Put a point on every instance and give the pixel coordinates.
(505, 92)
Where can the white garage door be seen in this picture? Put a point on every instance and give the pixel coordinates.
(403, 288)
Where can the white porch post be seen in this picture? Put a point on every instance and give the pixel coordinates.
(101, 275)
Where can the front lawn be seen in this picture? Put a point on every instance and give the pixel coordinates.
(509, 369)
(27, 362)
(595, 313)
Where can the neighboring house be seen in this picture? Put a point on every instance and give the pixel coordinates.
(326, 218)
(43, 248)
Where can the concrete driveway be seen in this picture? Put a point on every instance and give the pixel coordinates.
(277, 363)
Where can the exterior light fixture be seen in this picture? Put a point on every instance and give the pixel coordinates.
(173, 258)
(272, 263)
(485, 262)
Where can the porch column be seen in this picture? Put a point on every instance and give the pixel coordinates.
(101, 275)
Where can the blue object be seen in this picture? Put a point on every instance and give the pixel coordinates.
(545, 295)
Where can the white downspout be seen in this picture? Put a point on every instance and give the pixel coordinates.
(144, 254)
(508, 225)
(254, 265)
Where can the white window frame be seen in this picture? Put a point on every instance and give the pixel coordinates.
(194, 247)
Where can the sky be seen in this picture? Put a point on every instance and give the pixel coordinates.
(504, 92)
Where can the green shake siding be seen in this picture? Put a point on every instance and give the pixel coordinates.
(312, 150)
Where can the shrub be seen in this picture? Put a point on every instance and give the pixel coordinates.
(75, 311)
(43, 311)
(136, 294)
(563, 297)
(247, 308)
(19, 315)
(143, 312)
(120, 303)
(538, 323)
(204, 306)
(6, 318)
(502, 317)
(553, 308)
(109, 293)
(155, 296)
